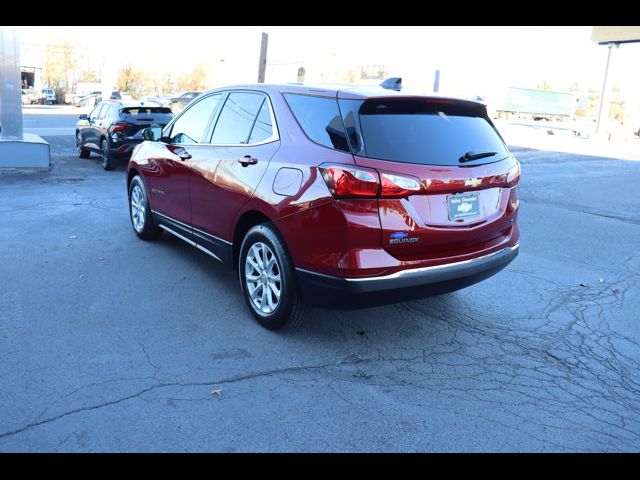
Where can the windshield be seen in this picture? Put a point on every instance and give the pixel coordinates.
(421, 130)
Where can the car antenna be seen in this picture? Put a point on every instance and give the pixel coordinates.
(393, 83)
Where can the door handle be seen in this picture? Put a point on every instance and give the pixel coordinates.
(247, 160)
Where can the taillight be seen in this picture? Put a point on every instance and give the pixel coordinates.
(118, 127)
(513, 175)
(394, 185)
(347, 181)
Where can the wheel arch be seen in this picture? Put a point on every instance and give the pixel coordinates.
(246, 221)
(133, 171)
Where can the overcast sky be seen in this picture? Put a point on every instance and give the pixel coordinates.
(471, 59)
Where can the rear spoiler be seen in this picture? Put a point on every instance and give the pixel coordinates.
(393, 83)
(147, 109)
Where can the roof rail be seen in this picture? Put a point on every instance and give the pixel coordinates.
(393, 83)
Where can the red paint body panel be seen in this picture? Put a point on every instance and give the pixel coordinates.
(425, 217)
(167, 179)
(220, 185)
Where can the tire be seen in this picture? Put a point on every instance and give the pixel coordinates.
(108, 162)
(140, 211)
(82, 152)
(288, 310)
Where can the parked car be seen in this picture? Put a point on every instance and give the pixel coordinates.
(151, 100)
(48, 96)
(122, 96)
(31, 96)
(177, 104)
(86, 100)
(113, 129)
(25, 98)
(334, 197)
(69, 98)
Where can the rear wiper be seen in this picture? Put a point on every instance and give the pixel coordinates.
(469, 156)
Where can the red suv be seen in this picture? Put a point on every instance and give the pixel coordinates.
(336, 197)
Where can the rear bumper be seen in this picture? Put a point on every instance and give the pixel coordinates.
(339, 292)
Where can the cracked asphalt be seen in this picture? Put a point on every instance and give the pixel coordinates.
(113, 344)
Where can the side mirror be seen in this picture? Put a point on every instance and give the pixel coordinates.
(153, 133)
(84, 116)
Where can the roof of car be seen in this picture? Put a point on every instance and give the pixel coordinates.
(135, 104)
(346, 90)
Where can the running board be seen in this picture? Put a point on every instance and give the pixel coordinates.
(190, 242)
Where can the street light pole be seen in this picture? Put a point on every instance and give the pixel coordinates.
(10, 85)
(604, 86)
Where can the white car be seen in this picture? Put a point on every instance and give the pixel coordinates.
(48, 96)
(153, 101)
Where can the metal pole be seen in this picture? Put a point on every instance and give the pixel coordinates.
(436, 82)
(10, 85)
(262, 66)
(604, 86)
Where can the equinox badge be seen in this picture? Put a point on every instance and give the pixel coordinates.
(401, 237)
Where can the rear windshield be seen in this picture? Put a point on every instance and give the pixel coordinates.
(420, 130)
(145, 110)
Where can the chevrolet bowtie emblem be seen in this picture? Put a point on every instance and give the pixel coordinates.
(474, 182)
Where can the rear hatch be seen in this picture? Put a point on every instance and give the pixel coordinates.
(140, 117)
(449, 148)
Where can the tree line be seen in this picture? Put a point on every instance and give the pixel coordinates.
(63, 69)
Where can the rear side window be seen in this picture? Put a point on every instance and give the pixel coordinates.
(95, 113)
(262, 128)
(237, 118)
(190, 127)
(320, 119)
(420, 130)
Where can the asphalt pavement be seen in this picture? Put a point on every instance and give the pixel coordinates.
(50, 120)
(110, 343)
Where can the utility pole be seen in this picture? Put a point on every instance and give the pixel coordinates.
(262, 66)
(436, 82)
(604, 85)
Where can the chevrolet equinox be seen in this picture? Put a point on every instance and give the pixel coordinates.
(333, 196)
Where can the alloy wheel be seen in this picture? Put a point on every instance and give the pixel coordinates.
(138, 208)
(105, 154)
(262, 278)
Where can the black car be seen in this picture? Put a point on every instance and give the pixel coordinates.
(177, 104)
(113, 129)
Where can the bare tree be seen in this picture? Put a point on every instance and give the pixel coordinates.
(59, 63)
(132, 80)
(162, 83)
(89, 75)
(196, 80)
